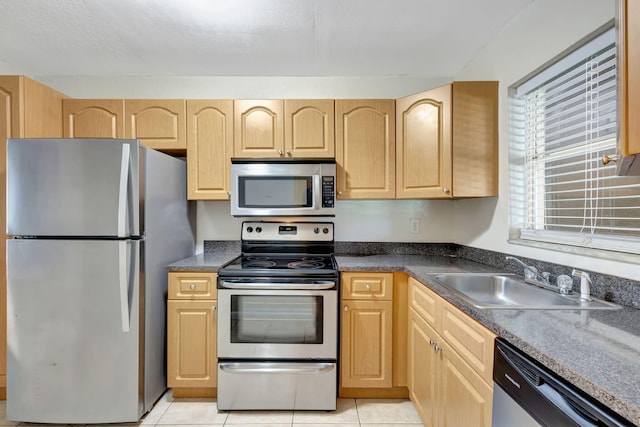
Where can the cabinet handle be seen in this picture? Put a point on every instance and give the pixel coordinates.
(339, 193)
(607, 159)
(213, 308)
(431, 343)
(445, 190)
(346, 308)
(192, 286)
(436, 348)
(288, 152)
(280, 152)
(367, 287)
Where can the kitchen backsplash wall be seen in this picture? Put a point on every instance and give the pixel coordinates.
(355, 221)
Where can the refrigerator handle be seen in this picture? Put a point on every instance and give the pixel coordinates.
(124, 285)
(122, 193)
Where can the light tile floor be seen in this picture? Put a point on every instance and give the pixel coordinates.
(198, 412)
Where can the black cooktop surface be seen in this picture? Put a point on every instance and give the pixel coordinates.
(280, 265)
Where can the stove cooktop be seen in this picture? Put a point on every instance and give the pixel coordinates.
(280, 265)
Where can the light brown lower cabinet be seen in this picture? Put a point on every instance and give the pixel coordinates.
(191, 334)
(444, 387)
(373, 335)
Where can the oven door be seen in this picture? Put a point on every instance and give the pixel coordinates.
(270, 324)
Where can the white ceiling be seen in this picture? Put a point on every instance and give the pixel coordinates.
(248, 37)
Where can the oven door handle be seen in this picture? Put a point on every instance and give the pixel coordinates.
(276, 286)
(277, 368)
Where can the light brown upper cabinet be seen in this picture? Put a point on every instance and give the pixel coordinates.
(28, 109)
(93, 118)
(157, 123)
(365, 148)
(447, 142)
(628, 26)
(309, 128)
(423, 145)
(258, 128)
(284, 128)
(209, 148)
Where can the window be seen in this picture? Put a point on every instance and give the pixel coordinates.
(563, 121)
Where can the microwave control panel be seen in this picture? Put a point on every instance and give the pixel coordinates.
(328, 191)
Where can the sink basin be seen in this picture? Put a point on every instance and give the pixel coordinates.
(507, 291)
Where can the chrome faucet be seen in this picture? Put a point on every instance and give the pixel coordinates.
(542, 279)
(585, 284)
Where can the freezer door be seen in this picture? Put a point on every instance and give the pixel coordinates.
(72, 187)
(73, 331)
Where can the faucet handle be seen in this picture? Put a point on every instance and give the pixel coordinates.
(565, 283)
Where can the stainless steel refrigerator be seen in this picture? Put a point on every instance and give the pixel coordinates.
(93, 224)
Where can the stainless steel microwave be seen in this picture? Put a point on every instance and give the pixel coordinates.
(283, 187)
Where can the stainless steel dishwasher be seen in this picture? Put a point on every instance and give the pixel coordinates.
(526, 394)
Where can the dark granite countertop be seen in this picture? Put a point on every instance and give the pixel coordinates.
(598, 351)
(208, 261)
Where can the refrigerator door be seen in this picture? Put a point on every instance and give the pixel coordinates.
(73, 331)
(73, 187)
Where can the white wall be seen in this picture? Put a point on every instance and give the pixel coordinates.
(539, 33)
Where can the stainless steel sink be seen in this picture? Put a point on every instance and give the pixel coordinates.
(505, 291)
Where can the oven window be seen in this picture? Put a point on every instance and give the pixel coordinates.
(282, 319)
(275, 191)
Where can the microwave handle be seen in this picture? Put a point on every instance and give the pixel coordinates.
(317, 192)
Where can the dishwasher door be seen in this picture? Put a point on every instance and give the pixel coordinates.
(527, 394)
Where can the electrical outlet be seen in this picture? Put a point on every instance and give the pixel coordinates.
(414, 225)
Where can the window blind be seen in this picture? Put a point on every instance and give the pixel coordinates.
(565, 125)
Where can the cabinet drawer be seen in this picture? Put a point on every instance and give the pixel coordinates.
(425, 302)
(472, 341)
(192, 285)
(374, 286)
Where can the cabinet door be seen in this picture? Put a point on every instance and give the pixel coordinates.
(157, 123)
(11, 123)
(93, 118)
(466, 400)
(365, 149)
(472, 341)
(629, 84)
(191, 343)
(209, 148)
(366, 344)
(309, 128)
(424, 144)
(258, 128)
(422, 368)
(475, 139)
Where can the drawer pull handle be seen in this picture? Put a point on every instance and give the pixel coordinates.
(367, 287)
(346, 308)
(437, 348)
(431, 343)
(192, 286)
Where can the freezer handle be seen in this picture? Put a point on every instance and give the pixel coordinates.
(122, 192)
(124, 287)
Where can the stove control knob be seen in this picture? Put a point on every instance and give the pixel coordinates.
(258, 229)
(325, 230)
(316, 230)
(249, 229)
